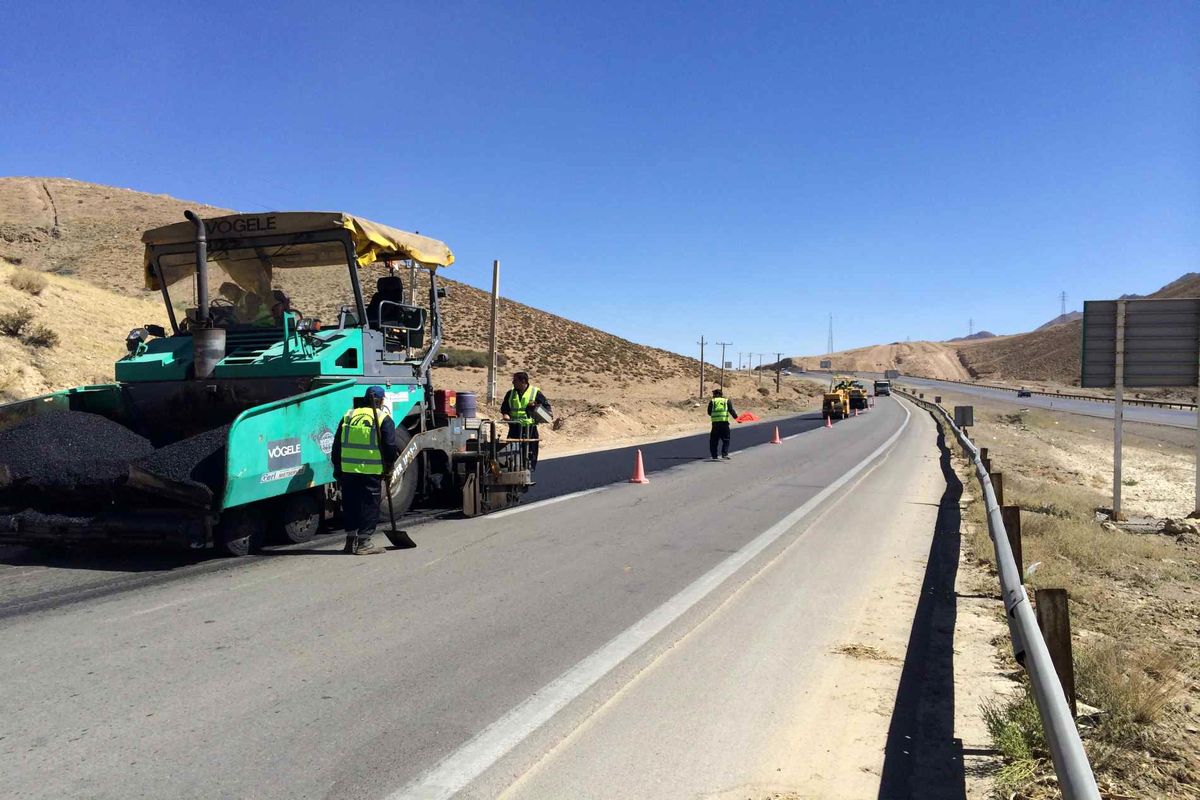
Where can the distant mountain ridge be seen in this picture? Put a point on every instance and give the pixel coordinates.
(973, 336)
(1061, 319)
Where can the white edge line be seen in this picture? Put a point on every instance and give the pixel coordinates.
(495, 741)
(549, 501)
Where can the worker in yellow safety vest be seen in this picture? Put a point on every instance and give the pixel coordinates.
(517, 406)
(720, 413)
(364, 447)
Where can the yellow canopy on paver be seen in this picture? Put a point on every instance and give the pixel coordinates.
(372, 242)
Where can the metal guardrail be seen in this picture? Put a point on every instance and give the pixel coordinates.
(1075, 776)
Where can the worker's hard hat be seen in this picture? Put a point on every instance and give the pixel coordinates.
(374, 393)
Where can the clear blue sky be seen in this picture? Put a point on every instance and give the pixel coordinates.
(662, 170)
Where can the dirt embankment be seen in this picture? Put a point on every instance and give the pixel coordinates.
(925, 359)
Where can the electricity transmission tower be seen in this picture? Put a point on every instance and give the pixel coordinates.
(1062, 299)
(829, 344)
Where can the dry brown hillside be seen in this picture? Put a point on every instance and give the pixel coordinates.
(84, 242)
(929, 359)
(93, 233)
(1048, 354)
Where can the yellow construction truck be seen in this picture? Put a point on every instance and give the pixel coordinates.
(836, 402)
(858, 395)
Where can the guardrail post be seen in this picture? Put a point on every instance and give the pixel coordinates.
(1012, 527)
(998, 486)
(983, 453)
(1054, 618)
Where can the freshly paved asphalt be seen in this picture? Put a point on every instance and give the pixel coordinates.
(307, 674)
(588, 470)
(32, 579)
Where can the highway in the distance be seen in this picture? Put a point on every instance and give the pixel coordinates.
(1157, 416)
(1174, 417)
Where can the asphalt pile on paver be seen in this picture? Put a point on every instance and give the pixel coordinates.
(64, 461)
(197, 460)
(67, 459)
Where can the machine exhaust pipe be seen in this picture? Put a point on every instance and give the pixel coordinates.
(208, 343)
(202, 318)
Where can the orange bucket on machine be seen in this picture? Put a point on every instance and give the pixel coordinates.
(445, 403)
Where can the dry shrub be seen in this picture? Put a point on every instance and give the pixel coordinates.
(1015, 728)
(41, 336)
(28, 281)
(1067, 545)
(14, 323)
(1132, 687)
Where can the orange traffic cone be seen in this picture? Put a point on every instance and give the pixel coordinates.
(829, 422)
(639, 472)
(776, 439)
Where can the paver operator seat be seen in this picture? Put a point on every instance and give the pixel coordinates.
(386, 309)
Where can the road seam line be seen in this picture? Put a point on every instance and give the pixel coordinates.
(479, 753)
(549, 501)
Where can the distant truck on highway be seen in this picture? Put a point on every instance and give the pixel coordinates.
(883, 388)
(891, 374)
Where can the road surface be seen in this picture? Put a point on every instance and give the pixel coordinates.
(31, 579)
(662, 640)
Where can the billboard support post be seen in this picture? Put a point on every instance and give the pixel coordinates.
(1118, 410)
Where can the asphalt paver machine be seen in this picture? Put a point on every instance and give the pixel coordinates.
(240, 396)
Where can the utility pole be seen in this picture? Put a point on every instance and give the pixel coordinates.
(829, 344)
(760, 360)
(778, 371)
(701, 343)
(491, 379)
(971, 326)
(1062, 299)
(723, 346)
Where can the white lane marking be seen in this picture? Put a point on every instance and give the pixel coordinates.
(547, 502)
(495, 741)
(573, 495)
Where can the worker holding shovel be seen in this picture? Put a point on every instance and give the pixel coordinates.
(364, 450)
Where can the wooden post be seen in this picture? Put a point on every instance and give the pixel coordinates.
(1012, 527)
(998, 486)
(1054, 618)
(983, 453)
(491, 384)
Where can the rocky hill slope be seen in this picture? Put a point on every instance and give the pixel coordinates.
(92, 234)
